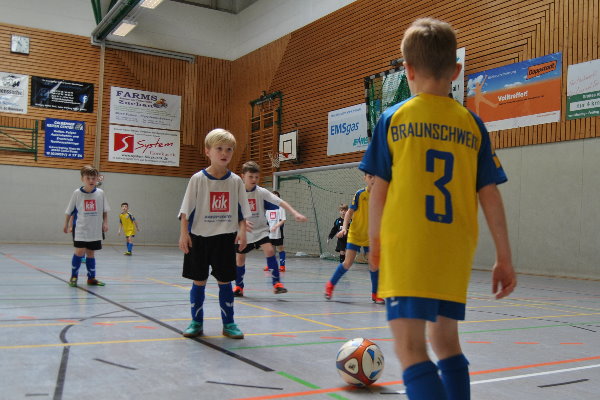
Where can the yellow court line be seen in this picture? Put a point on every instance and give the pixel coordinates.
(511, 302)
(259, 307)
(526, 318)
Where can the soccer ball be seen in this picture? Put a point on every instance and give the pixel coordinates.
(359, 362)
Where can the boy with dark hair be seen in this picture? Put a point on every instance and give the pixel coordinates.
(88, 210)
(432, 158)
(336, 231)
(130, 227)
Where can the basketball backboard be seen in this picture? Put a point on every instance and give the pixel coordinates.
(288, 146)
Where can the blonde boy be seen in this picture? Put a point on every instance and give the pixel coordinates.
(210, 229)
(432, 158)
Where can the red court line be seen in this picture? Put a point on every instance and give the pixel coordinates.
(478, 341)
(103, 323)
(348, 388)
(572, 343)
(145, 327)
(26, 317)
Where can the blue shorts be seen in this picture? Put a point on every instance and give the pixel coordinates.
(355, 247)
(423, 308)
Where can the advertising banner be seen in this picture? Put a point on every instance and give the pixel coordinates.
(129, 144)
(140, 108)
(13, 93)
(521, 94)
(583, 90)
(64, 139)
(347, 130)
(458, 85)
(60, 94)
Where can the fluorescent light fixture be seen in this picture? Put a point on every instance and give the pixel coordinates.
(124, 28)
(150, 3)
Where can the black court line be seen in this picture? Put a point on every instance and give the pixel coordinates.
(115, 364)
(149, 318)
(563, 383)
(248, 386)
(35, 394)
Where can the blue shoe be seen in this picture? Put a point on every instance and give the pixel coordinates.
(194, 330)
(231, 330)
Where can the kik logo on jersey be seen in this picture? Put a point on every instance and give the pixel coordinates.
(89, 205)
(272, 214)
(219, 201)
(252, 203)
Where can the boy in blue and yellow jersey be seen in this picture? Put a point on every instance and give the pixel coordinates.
(358, 236)
(432, 159)
(128, 224)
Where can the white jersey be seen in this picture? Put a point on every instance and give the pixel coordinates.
(214, 206)
(260, 199)
(87, 210)
(273, 218)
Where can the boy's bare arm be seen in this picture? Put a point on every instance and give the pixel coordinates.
(504, 279)
(241, 235)
(347, 218)
(376, 203)
(297, 216)
(67, 220)
(185, 241)
(105, 222)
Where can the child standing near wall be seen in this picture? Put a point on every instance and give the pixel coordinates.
(130, 227)
(88, 209)
(276, 220)
(336, 231)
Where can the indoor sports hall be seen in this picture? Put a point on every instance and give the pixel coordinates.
(133, 87)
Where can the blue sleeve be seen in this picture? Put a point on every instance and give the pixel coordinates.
(489, 169)
(354, 205)
(270, 206)
(377, 160)
(240, 214)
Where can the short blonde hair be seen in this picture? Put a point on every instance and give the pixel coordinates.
(429, 45)
(218, 136)
(250, 166)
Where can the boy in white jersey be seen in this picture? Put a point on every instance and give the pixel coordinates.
(212, 215)
(88, 211)
(432, 158)
(276, 220)
(259, 200)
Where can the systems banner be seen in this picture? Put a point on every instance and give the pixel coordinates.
(583, 90)
(64, 139)
(59, 94)
(129, 144)
(140, 108)
(13, 93)
(521, 94)
(347, 130)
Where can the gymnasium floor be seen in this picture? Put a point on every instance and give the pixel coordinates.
(123, 341)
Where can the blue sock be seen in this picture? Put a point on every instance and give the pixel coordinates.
(337, 275)
(455, 377)
(129, 247)
(374, 281)
(76, 264)
(226, 303)
(90, 264)
(240, 271)
(197, 302)
(274, 267)
(423, 382)
(282, 258)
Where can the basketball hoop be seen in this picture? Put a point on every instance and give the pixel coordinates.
(274, 157)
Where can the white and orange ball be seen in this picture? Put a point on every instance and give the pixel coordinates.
(359, 362)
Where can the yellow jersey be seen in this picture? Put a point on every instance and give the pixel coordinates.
(126, 221)
(358, 232)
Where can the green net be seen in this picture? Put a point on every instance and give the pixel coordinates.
(383, 91)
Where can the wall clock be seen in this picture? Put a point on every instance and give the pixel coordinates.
(19, 44)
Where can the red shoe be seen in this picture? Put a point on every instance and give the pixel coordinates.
(377, 300)
(278, 288)
(266, 268)
(238, 291)
(282, 268)
(329, 290)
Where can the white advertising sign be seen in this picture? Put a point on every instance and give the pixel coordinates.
(347, 130)
(140, 108)
(13, 93)
(458, 85)
(129, 144)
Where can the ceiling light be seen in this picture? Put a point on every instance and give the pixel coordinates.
(124, 28)
(151, 3)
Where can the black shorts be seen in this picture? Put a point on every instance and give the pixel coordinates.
(216, 252)
(251, 246)
(277, 242)
(341, 244)
(95, 245)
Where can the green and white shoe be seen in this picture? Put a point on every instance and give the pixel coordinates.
(231, 330)
(194, 330)
(73, 281)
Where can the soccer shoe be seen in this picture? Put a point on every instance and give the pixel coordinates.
(266, 268)
(195, 329)
(73, 282)
(329, 290)
(127, 253)
(377, 300)
(94, 282)
(278, 288)
(231, 330)
(282, 268)
(238, 291)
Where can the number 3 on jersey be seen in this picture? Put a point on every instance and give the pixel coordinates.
(440, 184)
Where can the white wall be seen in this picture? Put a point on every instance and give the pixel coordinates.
(552, 207)
(34, 201)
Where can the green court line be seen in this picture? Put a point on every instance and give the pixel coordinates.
(532, 327)
(286, 345)
(309, 385)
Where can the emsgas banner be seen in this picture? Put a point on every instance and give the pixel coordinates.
(347, 130)
(521, 94)
(143, 146)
